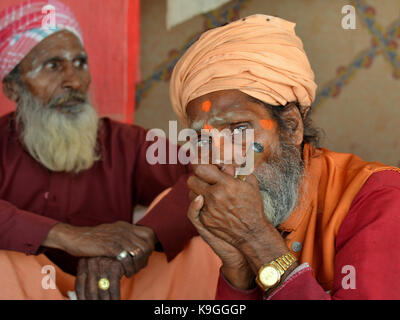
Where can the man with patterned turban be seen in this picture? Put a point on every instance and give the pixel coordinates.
(309, 223)
(68, 180)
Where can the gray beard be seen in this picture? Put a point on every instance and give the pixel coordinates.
(278, 181)
(60, 142)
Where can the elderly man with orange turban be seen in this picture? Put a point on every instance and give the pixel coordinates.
(69, 180)
(309, 223)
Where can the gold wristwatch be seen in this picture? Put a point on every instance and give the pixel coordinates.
(270, 274)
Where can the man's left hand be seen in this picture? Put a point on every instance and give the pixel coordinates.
(235, 213)
(91, 270)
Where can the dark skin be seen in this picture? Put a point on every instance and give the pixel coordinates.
(86, 285)
(229, 213)
(57, 67)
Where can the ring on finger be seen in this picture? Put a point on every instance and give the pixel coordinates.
(133, 253)
(104, 284)
(122, 255)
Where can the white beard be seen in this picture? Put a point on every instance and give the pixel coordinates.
(278, 180)
(60, 142)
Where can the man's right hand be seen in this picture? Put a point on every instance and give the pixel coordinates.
(106, 240)
(235, 267)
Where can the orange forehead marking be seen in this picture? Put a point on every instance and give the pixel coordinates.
(267, 124)
(206, 106)
(208, 127)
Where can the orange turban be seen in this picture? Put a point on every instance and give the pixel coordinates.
(259, 55)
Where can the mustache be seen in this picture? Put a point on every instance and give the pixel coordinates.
(72, 96)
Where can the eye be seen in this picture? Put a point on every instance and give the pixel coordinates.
(52, 65)
(80, 63)
(239, 129)
(204, 141)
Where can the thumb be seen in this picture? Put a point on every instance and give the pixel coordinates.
(228, 169)
(194, 217)
(251, 179)
(194, 208)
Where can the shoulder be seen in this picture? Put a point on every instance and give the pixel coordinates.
(375, 209)
(354, 170)
(115, 133)
(6, 125)
(382, 179)
(6, 120)
(114, 127)
(121, 139)
(386, 183)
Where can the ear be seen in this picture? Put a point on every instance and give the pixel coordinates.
(294, 124)
(11, 90)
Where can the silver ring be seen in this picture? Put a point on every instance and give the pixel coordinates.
(133, 253)
(122, 255)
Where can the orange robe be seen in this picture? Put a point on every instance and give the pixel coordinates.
(191, 275)
(333, 181)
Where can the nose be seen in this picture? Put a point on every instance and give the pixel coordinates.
(222, 149)
(71, 79)
(235, 152)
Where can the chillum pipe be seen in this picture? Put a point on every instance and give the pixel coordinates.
(258, 150)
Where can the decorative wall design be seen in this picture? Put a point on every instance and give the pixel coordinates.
(383, 42)
(213, 19)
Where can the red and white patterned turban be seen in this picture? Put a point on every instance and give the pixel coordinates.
(21, 29)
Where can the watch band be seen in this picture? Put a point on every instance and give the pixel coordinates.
(284, 262)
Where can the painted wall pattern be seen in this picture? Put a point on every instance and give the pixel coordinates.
(383, 43)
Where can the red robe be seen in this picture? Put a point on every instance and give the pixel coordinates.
(366, 252)
(33, 199)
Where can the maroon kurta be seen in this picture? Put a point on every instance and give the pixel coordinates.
(33, 199)
(368, 241)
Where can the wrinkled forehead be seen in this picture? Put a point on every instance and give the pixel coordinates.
(63, 44)
(216, 102)
(222, 107)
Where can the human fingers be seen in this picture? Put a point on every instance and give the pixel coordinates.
(81, 278)
(197, 185)
(92, 282)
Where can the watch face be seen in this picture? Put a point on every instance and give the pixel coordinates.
(269, 276)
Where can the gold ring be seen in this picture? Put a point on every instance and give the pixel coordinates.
(135, 252)
(104, 284)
